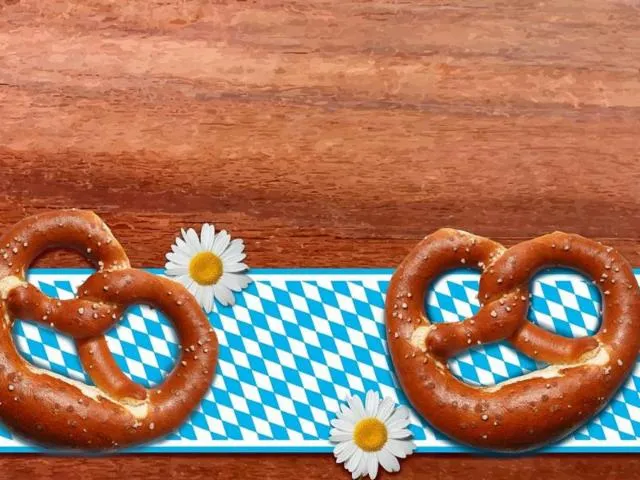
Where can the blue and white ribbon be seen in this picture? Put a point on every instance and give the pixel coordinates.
(299, 341)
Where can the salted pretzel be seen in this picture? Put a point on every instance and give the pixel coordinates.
(116, 412)
(534, 409)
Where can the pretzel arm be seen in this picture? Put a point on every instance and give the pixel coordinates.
(548, 347)
(96, 357)
(78, 318)
(493, 322)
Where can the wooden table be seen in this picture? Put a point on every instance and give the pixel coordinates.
(324, 134)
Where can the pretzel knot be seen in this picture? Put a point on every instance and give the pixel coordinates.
(116, 411)
(531, 410)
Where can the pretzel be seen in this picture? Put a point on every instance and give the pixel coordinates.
(116, 412)
(529, 411)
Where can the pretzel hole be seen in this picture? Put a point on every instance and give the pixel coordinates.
(48, 349)
(452, 296)
(565, 302)
(60, 257)
(39, 344)
(144, 345)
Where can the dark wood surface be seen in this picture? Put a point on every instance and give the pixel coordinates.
(324, 134)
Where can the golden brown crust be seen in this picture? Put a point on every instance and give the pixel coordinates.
(535, 409)
(117, 412)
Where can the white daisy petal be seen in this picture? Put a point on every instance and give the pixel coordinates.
(233, 267)
(208, 300)
(336, 436)
(205, 297)
(174, 270)
(343, 424)
(235, 258)
(197, 292)
(344, 451)
(399, 448)
(185, 280)
(385, 409)
(215, 292)
(182, 246)
(224, 295)
(346, 455)
(354, 460)
(348, 415)
(236, 247)
(207, 236)
(192, 240)
(388, 461)
(397, 424)
(221, 242)
(179, 258)
(409, 446)
(356, 406)
(372, 465)
(400, 414)
(399, 433)
(234, 281)
(371, 403)
(193, 288)
(361, 468)
(244, 279)
(172, 265)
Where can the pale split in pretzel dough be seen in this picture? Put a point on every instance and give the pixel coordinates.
(600, 358)
(138, 409)
(9, 283)
(419, 337)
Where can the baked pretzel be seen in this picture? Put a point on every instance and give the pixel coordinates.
(531, 410)
(53, 409)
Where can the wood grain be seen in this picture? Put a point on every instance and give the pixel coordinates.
(329, 133)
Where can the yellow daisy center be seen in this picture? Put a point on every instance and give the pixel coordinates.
(370, 434)
(205, 268)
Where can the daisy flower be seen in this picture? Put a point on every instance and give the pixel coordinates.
(370, 435)
(210, 266)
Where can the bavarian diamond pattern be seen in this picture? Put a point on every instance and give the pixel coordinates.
(298, 342)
